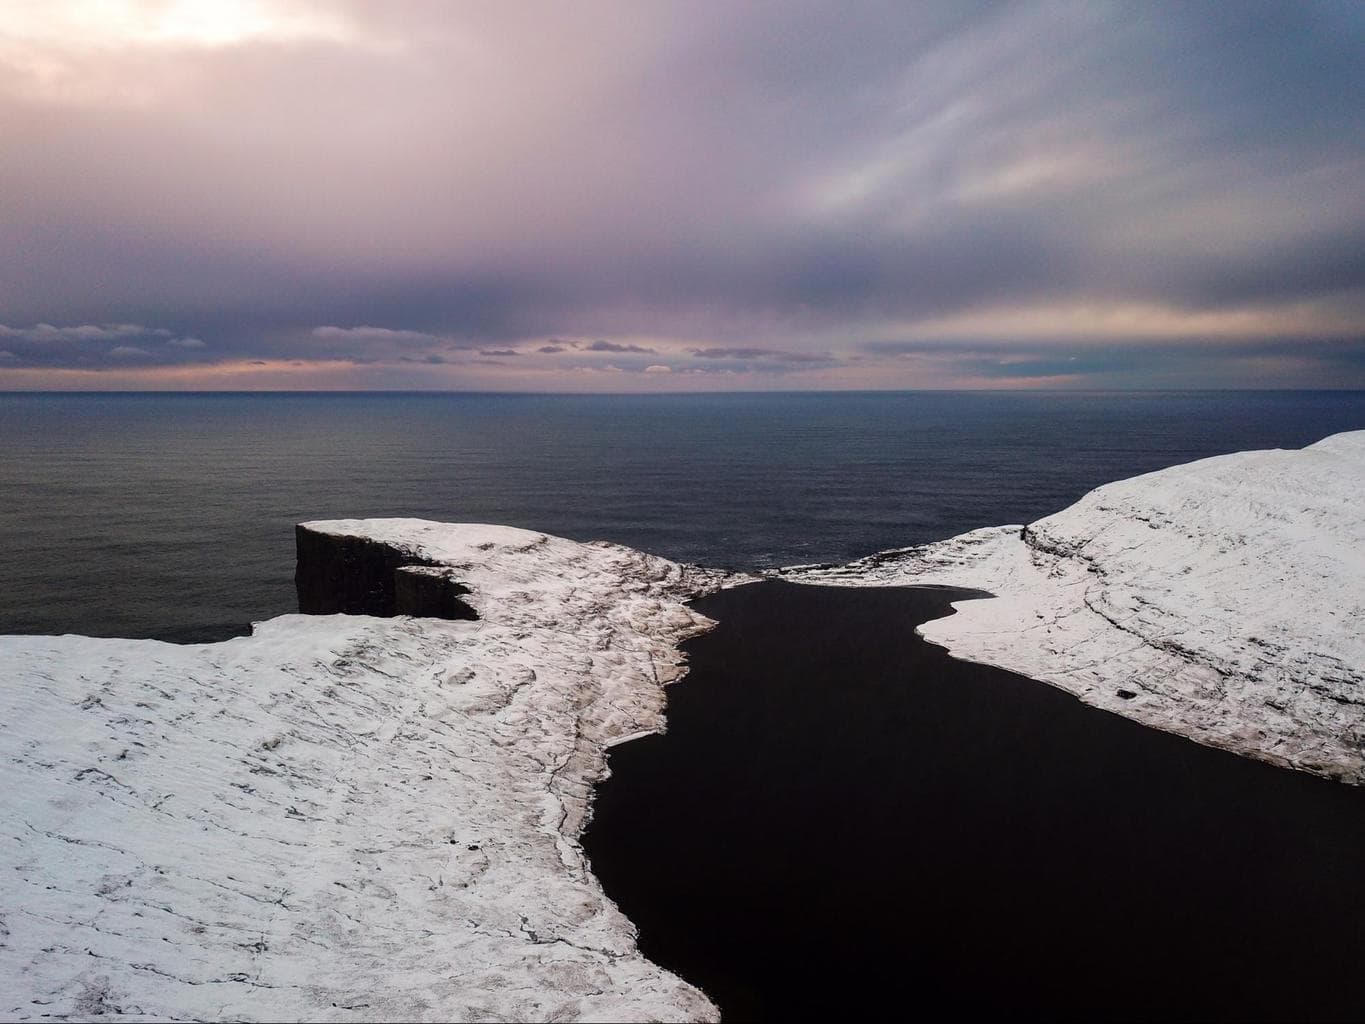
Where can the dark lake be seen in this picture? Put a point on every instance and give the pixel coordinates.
(841, 820)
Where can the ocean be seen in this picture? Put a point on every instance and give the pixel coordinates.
(171, 515)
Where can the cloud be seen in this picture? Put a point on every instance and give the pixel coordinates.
(761, 353)
(384, 335)
(369, 343)
(658, 368)
(731, 353)
(760, 183)
(7, 354)
(1209, 363)
(46, 344)
(498, 352)
(87, 28)
(612, 346)
(45, 332)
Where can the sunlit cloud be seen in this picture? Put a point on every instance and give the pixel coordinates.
(131, 53)
(244, 374)
(1101, 321)
(112, 24)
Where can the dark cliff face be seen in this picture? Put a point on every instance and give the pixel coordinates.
(354, 576)
(429, 593)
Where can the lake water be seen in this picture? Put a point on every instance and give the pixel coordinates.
(171, 515)
(842, 818)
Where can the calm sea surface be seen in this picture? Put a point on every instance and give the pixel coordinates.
(171, 515)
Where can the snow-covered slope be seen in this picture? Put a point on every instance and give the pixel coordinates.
(1223, 600)
(341, 817)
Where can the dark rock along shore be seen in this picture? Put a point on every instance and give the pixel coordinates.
(355, 576)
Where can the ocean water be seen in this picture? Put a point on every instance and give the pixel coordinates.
(171, 515)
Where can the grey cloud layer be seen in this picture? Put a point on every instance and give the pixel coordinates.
(93, 345)
(755, 177)
(79, 332)
(1310, 362)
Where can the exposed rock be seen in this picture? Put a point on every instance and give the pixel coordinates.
(430, 592)
(348, 575)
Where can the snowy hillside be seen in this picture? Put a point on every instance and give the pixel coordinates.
(341, 817)
(1223, 600)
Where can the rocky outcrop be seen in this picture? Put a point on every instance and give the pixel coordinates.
(430, 592)
(348, 575)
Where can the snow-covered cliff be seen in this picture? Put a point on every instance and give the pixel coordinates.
(1223, 600)
(341, 817)
(358, 817)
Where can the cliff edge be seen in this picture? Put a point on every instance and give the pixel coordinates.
(1222, 600)
(343, 816)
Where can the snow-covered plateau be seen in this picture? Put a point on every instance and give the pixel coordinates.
(341, 817)
(1223, 600)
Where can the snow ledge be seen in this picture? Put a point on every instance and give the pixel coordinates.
(342, 817)
(1222, 600)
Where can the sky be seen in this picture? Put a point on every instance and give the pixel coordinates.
(703, 195)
